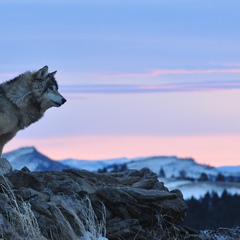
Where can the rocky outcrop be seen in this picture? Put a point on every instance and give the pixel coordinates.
(77, 204)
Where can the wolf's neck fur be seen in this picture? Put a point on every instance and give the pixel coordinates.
(19, 93)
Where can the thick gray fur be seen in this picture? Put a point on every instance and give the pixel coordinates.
(24, 100)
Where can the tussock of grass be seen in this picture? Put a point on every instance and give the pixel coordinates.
(23, 225)
(21, 217)
(99, 229)
(85, 218)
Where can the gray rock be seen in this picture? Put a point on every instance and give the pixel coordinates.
(5, 166)
(70, 203)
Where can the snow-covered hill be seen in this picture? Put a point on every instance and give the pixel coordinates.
(93, 165)
(174, 167)
(229, 170)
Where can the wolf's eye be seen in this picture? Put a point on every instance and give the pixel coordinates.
(50, 88)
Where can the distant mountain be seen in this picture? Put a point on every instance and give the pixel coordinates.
(36, 161)
(173, 167)
(32, 159)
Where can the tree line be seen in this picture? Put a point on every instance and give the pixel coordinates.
(213, 211)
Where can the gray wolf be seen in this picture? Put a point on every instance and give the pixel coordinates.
(24, 100)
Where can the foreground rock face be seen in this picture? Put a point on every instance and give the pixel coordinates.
(127, 205)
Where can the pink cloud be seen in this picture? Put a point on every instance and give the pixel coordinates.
(159, 72)
(141, 88)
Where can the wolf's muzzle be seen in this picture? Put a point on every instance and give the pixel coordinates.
(63, 100)
(59, 103)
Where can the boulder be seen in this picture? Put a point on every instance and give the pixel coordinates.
(5, 166)
(74, 204)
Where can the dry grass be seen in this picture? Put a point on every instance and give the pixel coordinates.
(24, 226)
(20, 216)
(84, 216)
(97, 229)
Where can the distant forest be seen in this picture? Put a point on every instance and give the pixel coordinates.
(212, 211)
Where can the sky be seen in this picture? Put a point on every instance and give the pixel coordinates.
(141, 78)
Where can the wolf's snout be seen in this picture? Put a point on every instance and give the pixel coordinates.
(63, 100)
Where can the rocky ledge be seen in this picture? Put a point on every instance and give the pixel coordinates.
(77, 204)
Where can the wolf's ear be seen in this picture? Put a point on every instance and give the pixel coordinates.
(43, 72)
(52, 74)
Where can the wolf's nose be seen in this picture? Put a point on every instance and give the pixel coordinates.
(63, 100)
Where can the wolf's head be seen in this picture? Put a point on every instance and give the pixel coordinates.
(45, 89)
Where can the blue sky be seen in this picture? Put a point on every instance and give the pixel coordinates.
(145, 71)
